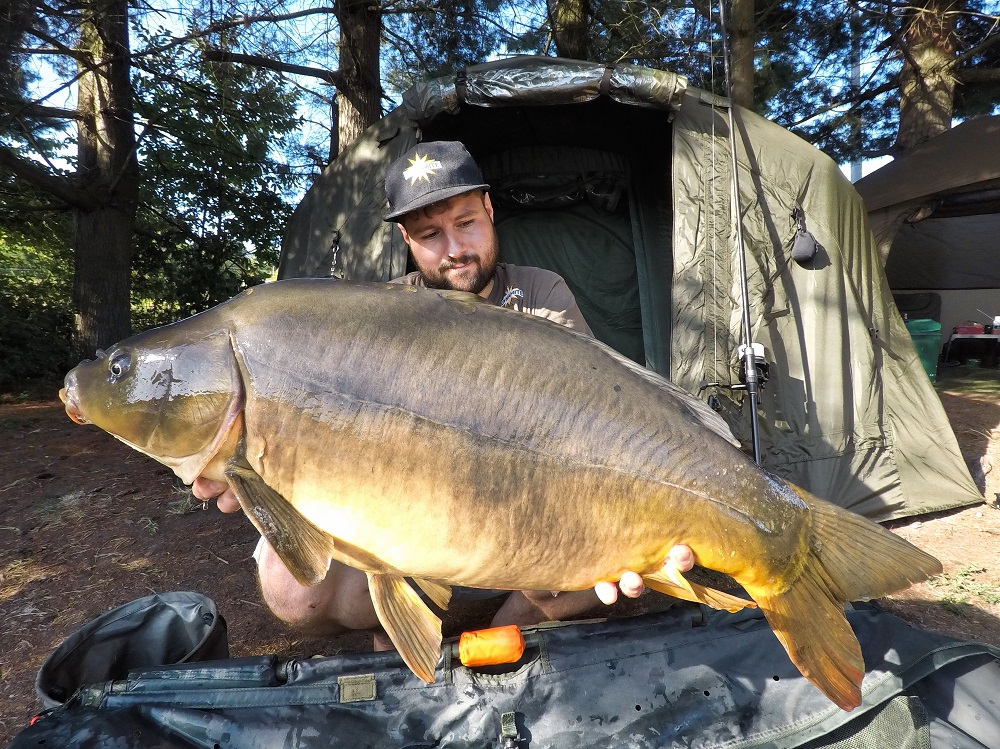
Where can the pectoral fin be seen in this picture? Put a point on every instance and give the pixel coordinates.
(439, 593)
(410, 624)
(672, 582)
(302, 547)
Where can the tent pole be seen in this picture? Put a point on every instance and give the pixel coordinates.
(748, 358)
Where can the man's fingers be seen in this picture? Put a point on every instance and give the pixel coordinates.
(206, 489)
(681, 557)
(631, 584)
(228, 502)
(607, 592)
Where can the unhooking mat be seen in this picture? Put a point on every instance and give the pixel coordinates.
(686, 677)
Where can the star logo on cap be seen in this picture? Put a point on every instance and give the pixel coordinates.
(421, 168)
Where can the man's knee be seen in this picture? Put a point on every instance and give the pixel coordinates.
(341, 601)
(529, 607)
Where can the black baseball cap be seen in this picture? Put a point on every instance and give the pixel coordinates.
(429, 173)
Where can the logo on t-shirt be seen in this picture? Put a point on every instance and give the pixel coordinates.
(512, 293)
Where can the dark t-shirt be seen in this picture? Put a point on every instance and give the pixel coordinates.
(535, 291)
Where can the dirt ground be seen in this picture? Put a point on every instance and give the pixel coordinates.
(87, 524)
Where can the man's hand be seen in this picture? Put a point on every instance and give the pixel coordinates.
(680, 558)
(206, 490)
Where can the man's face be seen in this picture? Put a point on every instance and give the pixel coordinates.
(454, 243)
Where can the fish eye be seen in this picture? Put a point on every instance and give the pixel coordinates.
(120, 364)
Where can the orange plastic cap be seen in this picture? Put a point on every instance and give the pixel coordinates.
(489, 647)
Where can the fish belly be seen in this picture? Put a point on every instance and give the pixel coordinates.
(440, 503)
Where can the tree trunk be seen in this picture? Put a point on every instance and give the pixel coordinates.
(334, 128)
(741, 52)
(568, 19)
(107, 169)
(360, 94)
(927, 80)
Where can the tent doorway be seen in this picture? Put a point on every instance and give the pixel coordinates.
(579, 189)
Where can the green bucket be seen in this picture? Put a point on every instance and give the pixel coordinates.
(926, 335)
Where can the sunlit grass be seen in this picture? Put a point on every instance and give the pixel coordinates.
(967, 381)
(74, 507)
(956, 588)
(139, 564)
(19, 574)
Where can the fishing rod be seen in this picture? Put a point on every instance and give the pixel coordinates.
(747, 353)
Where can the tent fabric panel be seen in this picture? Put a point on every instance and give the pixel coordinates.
(593, 253)
(703, 341)
(886, 222)
(566, 209)
(652, 226)
(845, 432)
(958, 161)
(337, 228)
(825, 420)
(951, 161)
(893, 398)
(924, 255)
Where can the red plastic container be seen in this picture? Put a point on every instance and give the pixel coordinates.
(969, 328)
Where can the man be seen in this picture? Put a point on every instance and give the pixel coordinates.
(439, 201)
(437, 195)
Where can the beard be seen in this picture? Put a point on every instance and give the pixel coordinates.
(473, 278)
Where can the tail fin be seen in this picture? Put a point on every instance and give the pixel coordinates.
(850, 559)
(862, 559)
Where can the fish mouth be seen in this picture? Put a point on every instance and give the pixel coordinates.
(72, 409)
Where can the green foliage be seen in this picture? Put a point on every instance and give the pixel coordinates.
(36, 267)
(978, 98)
(804, 56)
(438, 39)
(957, 587)
(15, 17)
(215, 198)
(23, 126)
(35, 318)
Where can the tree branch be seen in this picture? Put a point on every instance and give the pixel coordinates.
(988, 41)
(58, 187)
(60, 48)
(217, 27)
(979, 75)
(852, 100)
(31, 109)
(333, 77)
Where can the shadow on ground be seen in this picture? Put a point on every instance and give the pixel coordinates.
(971, 397)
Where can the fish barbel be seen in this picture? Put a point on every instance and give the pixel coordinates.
(428, 434)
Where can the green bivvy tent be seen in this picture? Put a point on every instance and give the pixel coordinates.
(619, 178)
(935, 214)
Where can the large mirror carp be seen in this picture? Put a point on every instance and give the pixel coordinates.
(428, 434)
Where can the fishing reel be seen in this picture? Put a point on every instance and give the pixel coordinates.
(760, 365)
(754, 356)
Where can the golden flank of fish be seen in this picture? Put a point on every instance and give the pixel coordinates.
(427, 434)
